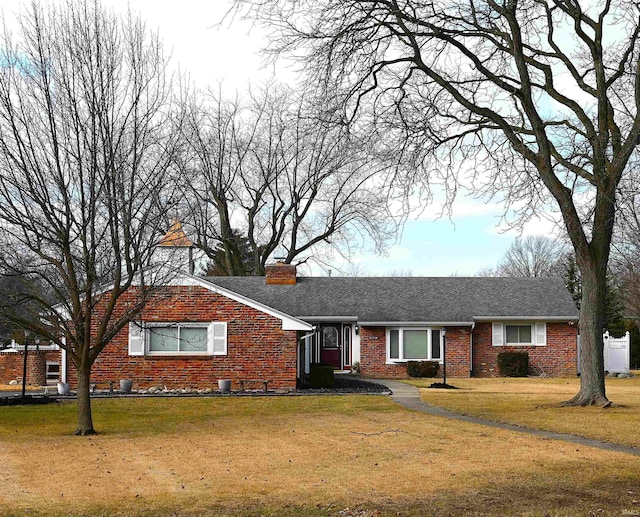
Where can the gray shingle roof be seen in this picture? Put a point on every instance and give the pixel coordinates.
(411, 299)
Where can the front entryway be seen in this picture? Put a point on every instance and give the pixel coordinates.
(330, 349)
(335, 345)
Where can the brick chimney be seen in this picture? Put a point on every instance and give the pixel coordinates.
(280, 274)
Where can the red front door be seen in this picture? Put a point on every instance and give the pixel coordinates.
(330, 349)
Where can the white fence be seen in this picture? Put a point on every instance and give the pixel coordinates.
(617, 353)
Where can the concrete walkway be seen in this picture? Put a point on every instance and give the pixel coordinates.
(409, 397)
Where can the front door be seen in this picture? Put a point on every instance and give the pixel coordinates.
(330, 349)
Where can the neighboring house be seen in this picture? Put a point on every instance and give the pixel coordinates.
(200, 329)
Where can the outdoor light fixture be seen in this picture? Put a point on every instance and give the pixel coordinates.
(357, 329)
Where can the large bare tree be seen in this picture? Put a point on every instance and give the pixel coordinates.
(531, 256)
(268, 169)
(626, 250)
(85, 143)
(535, 101)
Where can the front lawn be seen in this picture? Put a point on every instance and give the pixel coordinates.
(333, 455)
(535, 402)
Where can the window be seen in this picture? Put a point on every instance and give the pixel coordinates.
(178, 339)
(519, 334)
(329, 337)
(414, 344)
(186, 339)
(347, 345)
(53, 372)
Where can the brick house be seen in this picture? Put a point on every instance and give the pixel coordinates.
(197, 330)
(381, 323)
(201, 329)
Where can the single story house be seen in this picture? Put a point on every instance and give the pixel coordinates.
(196, 330)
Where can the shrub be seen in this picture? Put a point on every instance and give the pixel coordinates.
(423, 368)
(513, 364)
(321, 376)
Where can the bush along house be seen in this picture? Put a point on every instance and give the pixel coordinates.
(197, 330)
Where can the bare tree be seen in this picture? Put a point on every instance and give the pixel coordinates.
(626, 250)
(532, 256)
(269, 170)
(535, 101)
(85, 143)
(214, 149)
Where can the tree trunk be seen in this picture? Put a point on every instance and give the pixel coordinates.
(592, 309)
(85, 420)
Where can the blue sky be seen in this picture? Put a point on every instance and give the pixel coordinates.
(472, 239)
(229, 54)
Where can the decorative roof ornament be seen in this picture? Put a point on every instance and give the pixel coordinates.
(175, 236)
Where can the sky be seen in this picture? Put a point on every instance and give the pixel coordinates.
(216, 51)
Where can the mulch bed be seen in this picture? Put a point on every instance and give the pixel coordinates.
(28, 400)
(349, 384)
(344, 384)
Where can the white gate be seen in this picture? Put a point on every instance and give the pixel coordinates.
(617, 353)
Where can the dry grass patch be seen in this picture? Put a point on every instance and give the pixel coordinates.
(535, 402)
(18, 387)
(290, 456)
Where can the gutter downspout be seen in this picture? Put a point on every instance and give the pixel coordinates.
(473, 326)
(307, 351)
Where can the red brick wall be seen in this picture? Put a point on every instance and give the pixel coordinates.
(11, 367)
(558, 358)
(373, 354)
(257, 347)
(458, 353)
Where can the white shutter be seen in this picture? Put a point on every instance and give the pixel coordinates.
(541, 334)
(217, 338)
(498, 334)
(136, 338)
(63, 361)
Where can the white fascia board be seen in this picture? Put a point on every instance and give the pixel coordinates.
(184, 279)
(525, 318)
(328, 318)
(288, 322)
(416, 323)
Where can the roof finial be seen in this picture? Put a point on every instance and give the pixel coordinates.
(175, 236)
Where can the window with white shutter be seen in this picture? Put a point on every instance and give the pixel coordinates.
(178, 338)
(519, 334)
